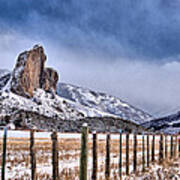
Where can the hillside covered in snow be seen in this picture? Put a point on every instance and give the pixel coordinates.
(30, 96)
(103, 103)
(168, 124)
(50, 111)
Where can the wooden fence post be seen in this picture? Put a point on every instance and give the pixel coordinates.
(171, 148)
(179, 145)
(33, 156)
(143, 153)
(147, 150)
(95, 157)
(153, 149)
(166, 147)
(55, 156)
(120, 154)
(107, 171)
(161, 149)
(127, 154)
(175, 146)
(135, 154)
(4, 155)
(84, 152)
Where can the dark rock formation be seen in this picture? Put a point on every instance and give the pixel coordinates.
(30, 73)
(50, 79)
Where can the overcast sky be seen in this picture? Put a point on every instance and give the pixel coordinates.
(127, 48)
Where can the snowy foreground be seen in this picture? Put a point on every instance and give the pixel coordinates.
(18, 157)
(168, 170)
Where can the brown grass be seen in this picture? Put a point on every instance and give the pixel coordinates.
(69, 149)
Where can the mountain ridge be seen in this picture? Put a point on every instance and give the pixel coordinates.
(103, 102)
(94, 110)
(167, 124)
(32, 89)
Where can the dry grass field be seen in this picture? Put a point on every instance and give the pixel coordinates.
(18, 157)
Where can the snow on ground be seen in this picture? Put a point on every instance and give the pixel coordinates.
(169, 170)
(18, 158)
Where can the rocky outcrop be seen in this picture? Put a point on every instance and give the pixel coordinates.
(50, 79)
(30, 73)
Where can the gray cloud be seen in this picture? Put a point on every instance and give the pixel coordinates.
(150, 86)
(138, 28)
(126, 48)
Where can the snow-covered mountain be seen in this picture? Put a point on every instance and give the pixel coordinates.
(28, 98)
(47, 111)
(50, 111)
(87, 102)
(48, 104)
(168, 124)
(103, 103)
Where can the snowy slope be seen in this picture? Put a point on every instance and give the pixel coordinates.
(168, 124)
(102, 102)
(4, 77)
(47, 111)
(46, 104)
(72, 104)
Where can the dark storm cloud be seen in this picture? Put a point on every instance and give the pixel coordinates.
(127, 48)
(141, 28)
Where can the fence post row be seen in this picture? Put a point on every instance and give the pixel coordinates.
(95, 157)
(84, 152)
(135, 153)
(107, 171)
(32, 155)
(4, 155)
(55, 156)
(174, 148)
(127, 154)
